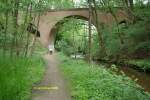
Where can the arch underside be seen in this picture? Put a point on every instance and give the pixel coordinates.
(59, 24)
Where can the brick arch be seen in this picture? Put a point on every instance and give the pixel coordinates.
(50, 19)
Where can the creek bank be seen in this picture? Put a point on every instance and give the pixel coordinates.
(138, 65)
(132, 71)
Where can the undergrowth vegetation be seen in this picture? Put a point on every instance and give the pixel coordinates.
(143, 64)
(97, 83)
(17, 76)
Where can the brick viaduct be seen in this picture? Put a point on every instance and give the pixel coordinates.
(50, 19)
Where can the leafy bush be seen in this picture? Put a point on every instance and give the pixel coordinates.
(138, 34)
(141, 64)
(64, 47)
(97, 83)
(17, 76)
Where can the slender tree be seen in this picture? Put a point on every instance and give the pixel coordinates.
(6, 28)
(14, 46)
(99, 27)
(28, 35)
(31, 49)
(90, 31)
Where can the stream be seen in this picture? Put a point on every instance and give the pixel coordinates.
(143, 78)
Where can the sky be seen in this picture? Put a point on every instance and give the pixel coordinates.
(77, 1)
(144, 1)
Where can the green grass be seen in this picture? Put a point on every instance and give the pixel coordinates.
(97, 83)
(143, 64)
(17, 76)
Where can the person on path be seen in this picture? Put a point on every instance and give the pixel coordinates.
(51, 48)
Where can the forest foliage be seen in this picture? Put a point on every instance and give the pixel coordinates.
(126, 41)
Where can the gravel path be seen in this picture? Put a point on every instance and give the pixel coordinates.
(53, 86)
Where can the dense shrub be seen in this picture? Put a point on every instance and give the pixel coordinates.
(64, 47)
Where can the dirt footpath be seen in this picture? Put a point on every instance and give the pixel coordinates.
(53, 86)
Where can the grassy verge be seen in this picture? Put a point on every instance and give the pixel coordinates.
(17, 76)
(97, 83)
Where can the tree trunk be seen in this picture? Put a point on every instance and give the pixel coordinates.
(24, 29)
(117, 23)
(90, 31)
(15, 37)
(101, 42)
(131, 4)
(28, 35)
(5, 32)
(31, 48)
(16, 26)
(74, 45)
(126, 2)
